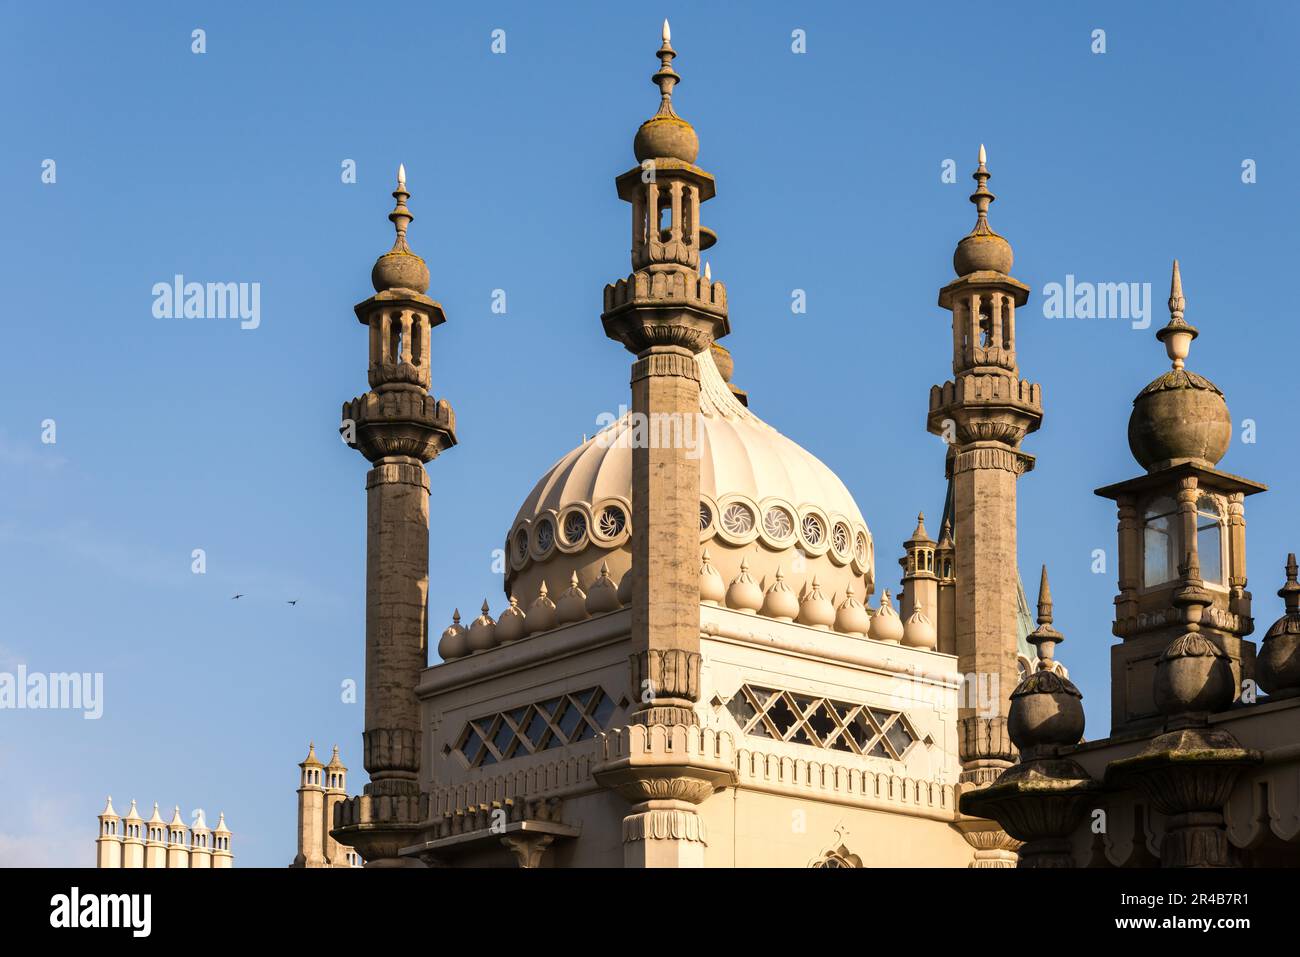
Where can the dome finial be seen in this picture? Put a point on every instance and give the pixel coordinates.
(982, 249)
(1290, 592)
(982, 197)
(667, 77)
(1044, 600)
(1178, 334)
(400, 268)
(1045, 638)
(401, 217)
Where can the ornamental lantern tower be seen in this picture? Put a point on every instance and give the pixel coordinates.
(1182, 530)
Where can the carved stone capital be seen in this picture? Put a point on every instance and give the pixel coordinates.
(665, 674)
(667, 823)
(528, 848)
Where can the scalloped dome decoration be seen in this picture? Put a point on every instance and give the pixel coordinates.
(760, 493)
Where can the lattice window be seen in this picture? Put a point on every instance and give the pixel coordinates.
(612, 521)
(822, 722)
(738, 518)
(814, 532)
(777, 523)
(575, 527)
(541, 726)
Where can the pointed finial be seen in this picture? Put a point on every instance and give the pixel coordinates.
(1178, 334)
(1045, 638)
(455, 616)
(1290, 592)
(514, 602)
(541, 592)
(484, 609)
(666, 78)
(708, 273)
(401, 217)
(982, 197)
(1176, 301)
(1044, 600)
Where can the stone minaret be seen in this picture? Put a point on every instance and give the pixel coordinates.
(664, 313)
(133, 839)
(984, 412)
(221, 854)
(155, 845)
(920, 581)
(311, 813)
(178, 853)
(108, 846)
(200, 844)
(398, 426)
(336, 792)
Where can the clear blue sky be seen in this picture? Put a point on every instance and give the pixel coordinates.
(176, 435)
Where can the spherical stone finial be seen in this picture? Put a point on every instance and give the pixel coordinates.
(851, 617)
(510, 626)
(666, 135)
(572, 605)
(541, 613)
(982, 250)
(482, 631)
(885, 624)
(453, 643)
(1277, 665)
(780, 602)
(816, 609)
(919, 631)
(603, 596)
(743, 594)
(399, 268)
(1193, 675)
(1046, 712)
(1179, 416)
(713, 590)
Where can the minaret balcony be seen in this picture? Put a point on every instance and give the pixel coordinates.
(985, 407)
(409, 423)
(673, 307)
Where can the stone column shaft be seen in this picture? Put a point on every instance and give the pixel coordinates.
(984, 490)
(397, 585)
(665, 529)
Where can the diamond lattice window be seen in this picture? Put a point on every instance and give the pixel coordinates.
(537, 727)
(822, 722)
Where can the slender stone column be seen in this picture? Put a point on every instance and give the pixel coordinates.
(398, 427)
(397, 629)
(665, 536)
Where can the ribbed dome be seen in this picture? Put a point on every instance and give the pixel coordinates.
(761, 496)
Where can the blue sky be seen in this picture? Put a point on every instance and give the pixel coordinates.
(174, 435)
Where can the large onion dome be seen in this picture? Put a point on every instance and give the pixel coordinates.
(762, 498)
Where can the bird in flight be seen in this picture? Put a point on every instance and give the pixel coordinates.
(240, 595)
(294, 602)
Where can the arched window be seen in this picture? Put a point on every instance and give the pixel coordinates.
(1209, 539)
(1160, 541)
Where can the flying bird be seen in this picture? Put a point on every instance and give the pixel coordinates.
(240, 595)
(294, 602)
